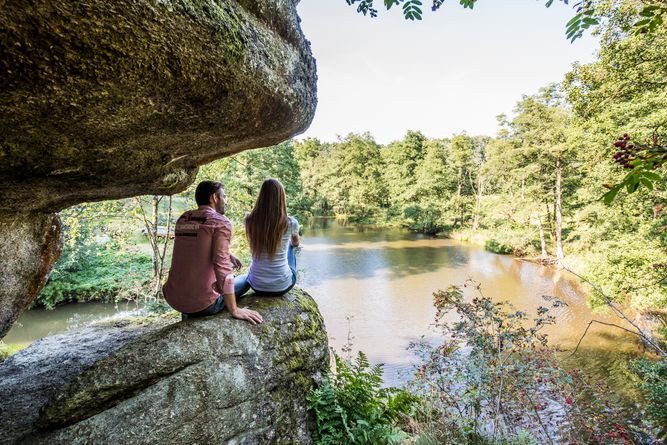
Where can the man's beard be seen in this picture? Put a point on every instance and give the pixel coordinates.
(220, 209)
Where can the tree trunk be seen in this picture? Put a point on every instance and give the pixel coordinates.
(550, 224)
(460, 182)
(558, 214)
(478, 202)
(543, 243)
(155, 244)
(158, 289)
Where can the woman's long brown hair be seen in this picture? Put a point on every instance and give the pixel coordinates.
(267, 222)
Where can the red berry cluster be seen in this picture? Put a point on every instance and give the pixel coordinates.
(627, 152)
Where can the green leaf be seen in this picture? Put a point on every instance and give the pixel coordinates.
(631, 187)
(647, 183)
(652, 176)
(649, 11)
(608, 197)
(574, 20)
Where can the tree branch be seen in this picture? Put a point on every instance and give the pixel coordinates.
(647, 338)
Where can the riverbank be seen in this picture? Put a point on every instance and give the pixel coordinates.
(376, 287)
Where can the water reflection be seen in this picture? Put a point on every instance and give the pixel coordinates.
(39, 323)
(385, 280)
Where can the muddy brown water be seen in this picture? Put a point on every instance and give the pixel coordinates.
(377, 286)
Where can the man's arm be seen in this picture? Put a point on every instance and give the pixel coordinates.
(241, 313)
(222, 262)
(236, 262)
(222, 266)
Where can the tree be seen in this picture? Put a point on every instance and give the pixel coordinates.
(479, 159)
(433, 188)
(314, 158)
(157, 226)
(359, 187)
(401, 159)
(462, 150)
(540, 126)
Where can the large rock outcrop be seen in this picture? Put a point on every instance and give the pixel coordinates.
(104, 99)
(211, 380)
(29, 247)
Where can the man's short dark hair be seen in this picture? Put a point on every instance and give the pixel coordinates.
(204, 191)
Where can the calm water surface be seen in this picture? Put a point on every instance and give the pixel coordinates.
(383, 281)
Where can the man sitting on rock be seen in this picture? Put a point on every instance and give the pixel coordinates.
(200, 280)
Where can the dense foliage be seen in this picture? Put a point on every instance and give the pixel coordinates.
(496, 380)
(99, 260)
(352, 408)
(651, 377)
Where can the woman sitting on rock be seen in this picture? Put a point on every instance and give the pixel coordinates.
(273, 236)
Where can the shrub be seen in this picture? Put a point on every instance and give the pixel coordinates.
(425, 219)
(495, 246)
(496, 381)
(104, 275)
(351, 407)
(652, 380)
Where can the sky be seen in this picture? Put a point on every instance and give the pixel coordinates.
(454, 71)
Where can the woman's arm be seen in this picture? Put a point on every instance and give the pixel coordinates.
(294, 227)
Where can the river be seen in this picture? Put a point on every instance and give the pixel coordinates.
(377, 286)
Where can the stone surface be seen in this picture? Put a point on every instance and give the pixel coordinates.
(30, 244)
(211, 380)
(104, 99)
(101, 99)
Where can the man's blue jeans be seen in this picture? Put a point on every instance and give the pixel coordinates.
(214, 308)
(241, 285)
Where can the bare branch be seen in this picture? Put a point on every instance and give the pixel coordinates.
(645, 337)
(606, 324)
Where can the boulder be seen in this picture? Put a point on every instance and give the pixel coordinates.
(30, 244)
(101, 99)
(211, 380)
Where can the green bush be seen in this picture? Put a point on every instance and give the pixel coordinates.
(495, 246)
(425, 219)
(493, 378)
(351, 407)
(652, 381)
(520, 241)
(628, 270)
(102, 275)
